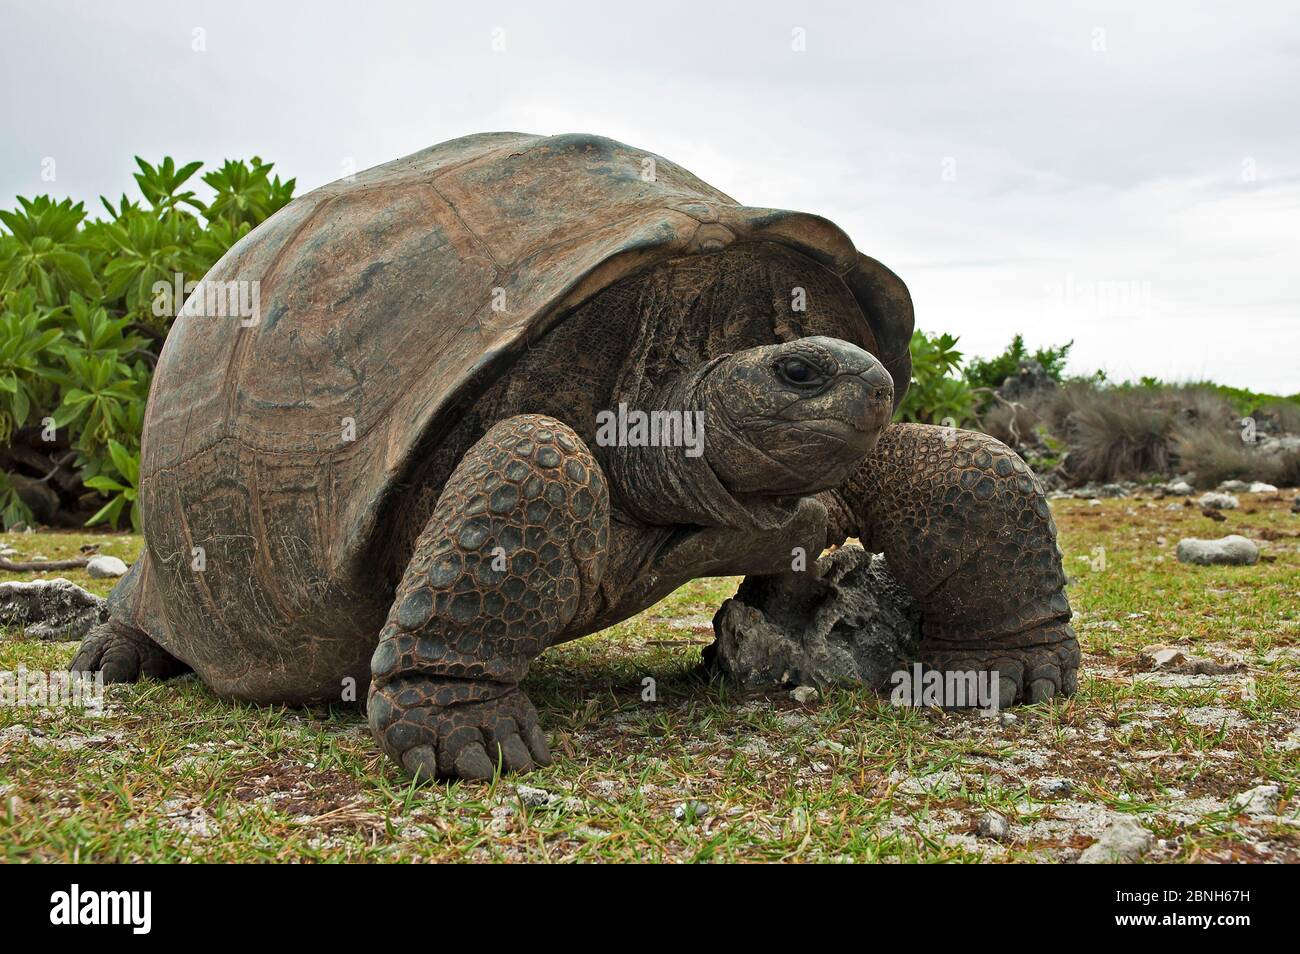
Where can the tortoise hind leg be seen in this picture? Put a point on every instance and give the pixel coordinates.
(965, 526)
(118, 647)
(124, 653)
(509, 561)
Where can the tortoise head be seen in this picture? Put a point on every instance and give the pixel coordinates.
(794, 418)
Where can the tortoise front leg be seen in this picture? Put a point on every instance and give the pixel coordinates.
(964, 525)
(509, 561)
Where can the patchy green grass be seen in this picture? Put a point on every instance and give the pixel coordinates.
(703, 773)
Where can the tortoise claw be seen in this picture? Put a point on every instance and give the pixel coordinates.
(1026, 674)
(537, 745)
(1041, 690)
(472, 763)
(516, 755)
(421, 762)
(464, 739)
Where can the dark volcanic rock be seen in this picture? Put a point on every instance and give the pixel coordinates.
(846, 622)
(1030, 378)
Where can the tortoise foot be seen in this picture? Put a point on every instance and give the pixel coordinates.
(1026, 674)
(124, 654)
(448, 729)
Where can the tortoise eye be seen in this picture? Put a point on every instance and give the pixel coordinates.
(798, 372)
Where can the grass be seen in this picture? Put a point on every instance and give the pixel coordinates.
(703, 773)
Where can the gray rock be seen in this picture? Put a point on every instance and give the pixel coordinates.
(1124, 841)
(1031, 378)
(1279, 445)
(993, 825)
(1052, 787)
(1234, 486)
(1163, 657)
(1218, 501)
(1175, 659)
(51, 609)
(846, 621)
(1113, 490)
(1047, 478)
(105, 567)
(1261, 800)
(541, 798)
(1179, 488)
(1232, 550)
(1259, 487)
(535, 797)
(805, 695)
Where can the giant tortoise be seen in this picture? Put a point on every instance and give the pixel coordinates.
(403, 474)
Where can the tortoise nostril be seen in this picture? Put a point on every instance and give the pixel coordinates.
(878, 375)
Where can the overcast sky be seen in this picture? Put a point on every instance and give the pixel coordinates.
(1123, 174)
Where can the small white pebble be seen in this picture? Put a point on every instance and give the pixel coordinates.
(697, 809)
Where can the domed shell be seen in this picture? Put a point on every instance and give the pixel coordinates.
(387, 300)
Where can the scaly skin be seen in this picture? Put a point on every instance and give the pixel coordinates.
(965, 526)
(124, 653)
(444, 697)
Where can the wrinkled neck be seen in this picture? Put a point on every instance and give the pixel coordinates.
(666, 482)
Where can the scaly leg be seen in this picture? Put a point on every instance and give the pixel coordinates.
(964, 525)
(509, 561)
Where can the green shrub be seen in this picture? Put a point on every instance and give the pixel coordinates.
(991, 372)
(121, 488)
(29, 339)
(79, 333)
(937, 394)
(1248, 403)
(43, 251)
